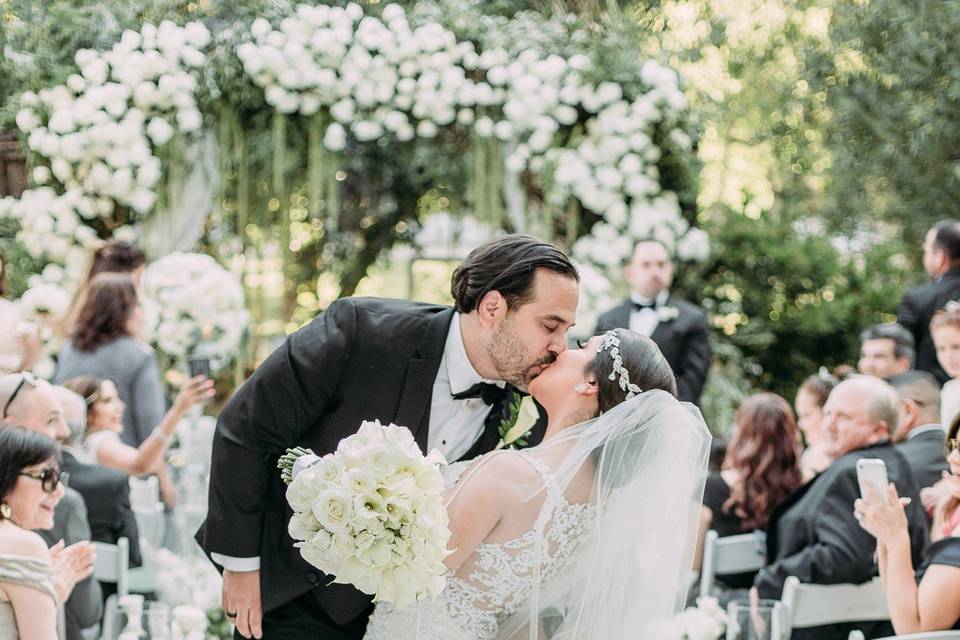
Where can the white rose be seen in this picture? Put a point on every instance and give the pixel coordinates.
(333, 509)
(27, 120)
(426, 129)
(335, 137)
(41, 174)
(302, 526)
(159, 131)
(189, 119)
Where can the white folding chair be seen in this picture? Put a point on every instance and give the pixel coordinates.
(113, 564)
(732, 554)
(812, 605)
(929, 635)
(145, 492)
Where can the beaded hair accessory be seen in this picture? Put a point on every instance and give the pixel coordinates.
(612, 343)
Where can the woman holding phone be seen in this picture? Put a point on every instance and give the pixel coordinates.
(927, 599)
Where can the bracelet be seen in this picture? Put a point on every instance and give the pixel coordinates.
(161, 436)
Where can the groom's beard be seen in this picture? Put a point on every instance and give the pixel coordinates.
(508, 354)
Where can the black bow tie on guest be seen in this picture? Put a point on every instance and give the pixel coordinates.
(489, 393)
(640, 306)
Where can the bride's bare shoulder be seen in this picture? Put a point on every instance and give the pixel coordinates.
(506, 467)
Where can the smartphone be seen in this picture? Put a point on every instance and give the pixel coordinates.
(872, 472)
(199, 366)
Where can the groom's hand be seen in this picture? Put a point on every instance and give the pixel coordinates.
(241, 596)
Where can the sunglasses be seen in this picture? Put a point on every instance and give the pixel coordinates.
(49, 478)
(952, 445)
(25, 378)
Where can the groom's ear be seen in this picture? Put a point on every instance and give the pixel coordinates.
(492, 309)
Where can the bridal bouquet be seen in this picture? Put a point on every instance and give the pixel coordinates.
(371, 514)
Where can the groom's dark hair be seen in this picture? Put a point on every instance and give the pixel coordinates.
(509, 265)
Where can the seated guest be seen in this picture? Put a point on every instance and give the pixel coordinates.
(885, 349)
(760, 469)
(33, 404)
(945, 329)
(809, 402)
(30, 488)
(920, 435)
(928, 599)
(812, 534)
(105, 491)
(105, 422)
(106, 344)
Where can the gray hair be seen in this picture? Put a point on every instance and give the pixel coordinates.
(904, 345)
(74, 414)
(881, 399)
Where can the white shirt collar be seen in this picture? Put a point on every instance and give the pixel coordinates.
(460, 373)
(662, 298)
(923, 429)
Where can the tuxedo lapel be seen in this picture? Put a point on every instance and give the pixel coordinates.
(622, 316)
(413, 411)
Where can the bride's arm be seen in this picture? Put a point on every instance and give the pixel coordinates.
(475, 508)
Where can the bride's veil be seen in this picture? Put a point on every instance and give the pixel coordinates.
(641, 467)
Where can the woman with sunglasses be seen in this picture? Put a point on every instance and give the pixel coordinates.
(31, 485)
(928, 599)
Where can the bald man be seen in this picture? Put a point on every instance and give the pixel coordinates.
(679, 328)
(920, 436)
(812, 534)
(32, 403)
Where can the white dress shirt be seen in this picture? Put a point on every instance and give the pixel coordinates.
(455, 425)
(645, 321)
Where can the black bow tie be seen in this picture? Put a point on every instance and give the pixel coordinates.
(640, 306)
(489, 393)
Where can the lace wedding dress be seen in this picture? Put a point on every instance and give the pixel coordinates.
(497, 580)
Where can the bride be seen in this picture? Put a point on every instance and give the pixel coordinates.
(589, 534)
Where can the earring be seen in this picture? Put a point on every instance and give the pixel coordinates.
(5, 511)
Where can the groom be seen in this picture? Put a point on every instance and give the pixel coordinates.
(437, 370)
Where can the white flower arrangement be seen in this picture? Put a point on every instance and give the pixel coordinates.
(383, 77)
(371, 514)
(99, 132)
(706, 621)
(192, 588)
(199, 302)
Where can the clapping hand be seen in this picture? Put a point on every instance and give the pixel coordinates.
(71, 565)
(884, 519)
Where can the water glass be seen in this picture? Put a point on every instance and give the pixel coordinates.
(755, 620)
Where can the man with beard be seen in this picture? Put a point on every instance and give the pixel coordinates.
(445, 373)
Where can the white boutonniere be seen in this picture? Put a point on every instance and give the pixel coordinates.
(666, 314)
(520, 419)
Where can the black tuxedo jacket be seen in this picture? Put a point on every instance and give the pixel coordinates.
(926, 456)
(684, 342)
(813, 535)
(106, 493)
(362, 359)
(916, 310)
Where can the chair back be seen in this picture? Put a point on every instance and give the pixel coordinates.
(113, 564)
(144, 493)
(812, 605)
(731, 554)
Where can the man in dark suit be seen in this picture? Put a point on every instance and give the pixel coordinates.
(678, 327)
(105, 491)
(920, 436)
(418, 365)
(813, 534)
(941, 260)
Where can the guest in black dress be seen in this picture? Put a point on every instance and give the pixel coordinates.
(930, 599)
(761, 467)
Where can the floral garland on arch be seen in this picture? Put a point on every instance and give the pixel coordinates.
(98, 140)
(559, 148)
(383, 78)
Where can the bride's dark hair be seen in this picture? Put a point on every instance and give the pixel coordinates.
(647, 367)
